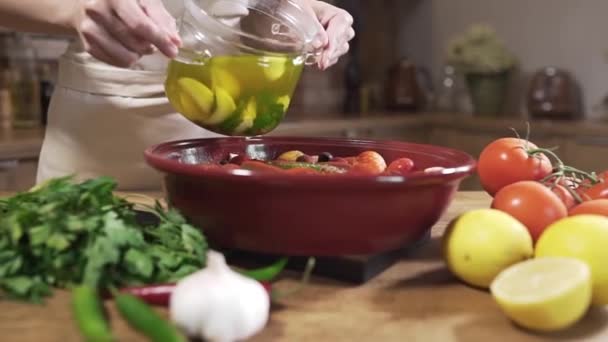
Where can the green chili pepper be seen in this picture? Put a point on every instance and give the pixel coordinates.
(144, 319)
(266, 273)
(89, 315)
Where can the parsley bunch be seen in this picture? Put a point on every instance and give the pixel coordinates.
(64, 234)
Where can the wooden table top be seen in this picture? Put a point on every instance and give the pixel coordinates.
(416, 299)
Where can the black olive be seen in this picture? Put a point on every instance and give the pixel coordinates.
(225, 160)
(325, 157)
(238, 159)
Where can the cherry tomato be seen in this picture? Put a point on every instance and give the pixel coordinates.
(603, 175)
(400, 166)
(597, 191)
(372, 158)
(506, 161)
(365, 169)
(369, 162)
(564, 195)
(351, 160)
(532, 203)
(597, 207)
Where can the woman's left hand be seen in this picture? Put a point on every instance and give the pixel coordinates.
(336, 34)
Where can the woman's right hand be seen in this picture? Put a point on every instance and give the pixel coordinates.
(119, 32)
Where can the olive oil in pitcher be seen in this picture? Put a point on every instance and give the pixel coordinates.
(234, 95)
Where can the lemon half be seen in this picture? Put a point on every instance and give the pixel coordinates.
(544, 294)
(584, 237)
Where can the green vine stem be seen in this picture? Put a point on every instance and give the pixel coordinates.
(560, 171)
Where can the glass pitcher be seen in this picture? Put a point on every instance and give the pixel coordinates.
(239, 63)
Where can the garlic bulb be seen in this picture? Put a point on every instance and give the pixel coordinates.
(219, 305)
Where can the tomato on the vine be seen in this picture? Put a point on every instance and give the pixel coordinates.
(508, 160)
(596, 191)
(532, 203)
(564, 195)
(596, 207)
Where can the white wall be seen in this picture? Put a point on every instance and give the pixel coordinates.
(569, 34)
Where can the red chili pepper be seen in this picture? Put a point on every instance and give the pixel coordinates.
(152, 294)
(160, 294)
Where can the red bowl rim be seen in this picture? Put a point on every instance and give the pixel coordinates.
(154, 156)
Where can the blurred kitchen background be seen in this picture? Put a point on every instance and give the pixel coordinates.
(454, 73)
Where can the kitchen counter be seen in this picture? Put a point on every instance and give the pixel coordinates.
(417, 299)
(20, 143)
(26, 143)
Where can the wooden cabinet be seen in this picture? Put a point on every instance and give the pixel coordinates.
(586, 153)
(385, 128)
(583, 145)
(17, 174)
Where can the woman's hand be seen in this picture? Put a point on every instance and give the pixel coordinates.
(336, 34)
(119, 32)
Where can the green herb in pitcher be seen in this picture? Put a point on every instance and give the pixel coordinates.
(234, 95)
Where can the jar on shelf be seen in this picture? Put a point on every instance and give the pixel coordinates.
(451, 93)
(24, 83)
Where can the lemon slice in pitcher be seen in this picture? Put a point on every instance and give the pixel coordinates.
(248, 116)
(544, 294)
(225, 79)
(284, 100)
(274, 67)
(224, 107)
(196, 99)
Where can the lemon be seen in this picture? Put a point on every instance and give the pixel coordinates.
(480, 243)
(284, 100)
(274, 67)
(291, 155)
(224, 79)
(248, 116)
(584, 237)
(195, 98)
(224, 107)
(544, 294)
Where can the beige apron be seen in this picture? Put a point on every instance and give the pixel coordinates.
(101, 119)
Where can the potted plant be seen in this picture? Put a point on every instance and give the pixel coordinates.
(486, 64)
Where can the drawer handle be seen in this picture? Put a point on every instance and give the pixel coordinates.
(597, 141)
(8, 164)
